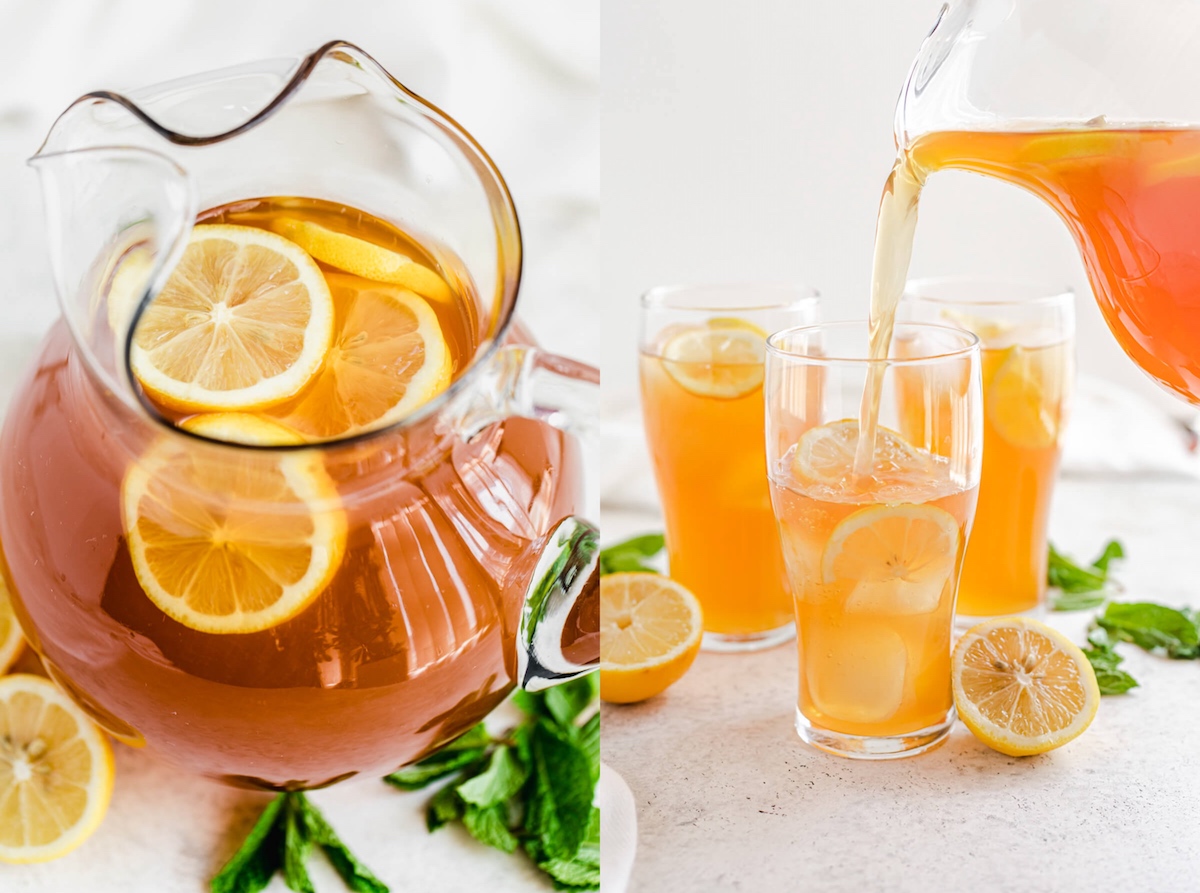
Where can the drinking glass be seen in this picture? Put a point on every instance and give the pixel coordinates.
(701, 364)
(873, 551)
(1026, 333)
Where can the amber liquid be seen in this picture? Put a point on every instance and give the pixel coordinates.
(875, 666)
(710, 462)
(411, 642)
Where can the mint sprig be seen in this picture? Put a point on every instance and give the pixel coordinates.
(1080, 588)
(1106, 662)
(530, 788)
(629, 556)
(281, 841)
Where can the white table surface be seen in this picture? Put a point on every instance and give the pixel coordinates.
(729, 798)
(170, 832)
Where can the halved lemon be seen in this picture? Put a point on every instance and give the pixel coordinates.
(56, 772)
(1020, 404)
(388, 358)
(363, 258)
(898, 558)
(243, 323)
(232, 543)
(825, 454)
(722, 359)
(650, 631)
(241, 427)
(1023, 687)
(11, 639)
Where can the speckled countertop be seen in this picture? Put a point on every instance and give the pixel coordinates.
(729, 798)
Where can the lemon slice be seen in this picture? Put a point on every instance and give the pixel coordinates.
(825, 454)
(1023, 687)
(650, 631)
(723, 359)
(241, 427)
(231, 543)
(990, 331)
(1019, 405)
(129, 281)
(388, 358)
(11, 640)
(243, 323)
(898, 558)
(363, 258)
(56, 772)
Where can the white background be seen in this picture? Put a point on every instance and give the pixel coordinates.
(750, 142)
(522, 77)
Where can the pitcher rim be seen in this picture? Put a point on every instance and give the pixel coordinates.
(508, 290)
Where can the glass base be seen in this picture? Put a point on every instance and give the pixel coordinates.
(724, 642)
(884, 747)
(963, 622)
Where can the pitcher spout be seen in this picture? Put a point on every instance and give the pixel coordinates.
(117, 220)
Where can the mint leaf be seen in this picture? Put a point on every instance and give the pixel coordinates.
(561, 801)
(496, 784)
(470, 747)
(445, 807)
(561, 703)
(582, 871)
(626, 556)
(296, 846)
(1152, 627)
(1112, 549)
(1105, 661)
(251, 868)
(490, 825)
(588, 739)
(1077, 601)
(354, 874)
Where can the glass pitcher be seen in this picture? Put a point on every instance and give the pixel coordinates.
(454, 566)
(1092, 106)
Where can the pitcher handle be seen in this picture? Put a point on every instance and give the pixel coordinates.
(559, 633)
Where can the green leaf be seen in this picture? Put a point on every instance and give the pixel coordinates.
(1065, 574)
(580, 872)
(1152, 627)
(354, 874)
(1105, 661)
(626, 556)
(1062, 600)
(296, 845)
(503, 777)
(561, 800)
(566, 701)
(588, 739)
(258, 858)
(1112, 549)
(490, 825)
(445, 807)
(470, 747)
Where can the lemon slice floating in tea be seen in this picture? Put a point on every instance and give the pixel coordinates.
(243, 323)
(389, 357)
(650, 631)
(56, 772)
(231, 543)
(241, 427)
(899, 558)
(362, 258)
(1023, 687)
(722, 359)
(1021, 403)
(11, 639)
(825, 455)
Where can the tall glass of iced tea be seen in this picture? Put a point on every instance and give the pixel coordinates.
(702, 399)
(280, 499)
(873, 555)
(1026, 334)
